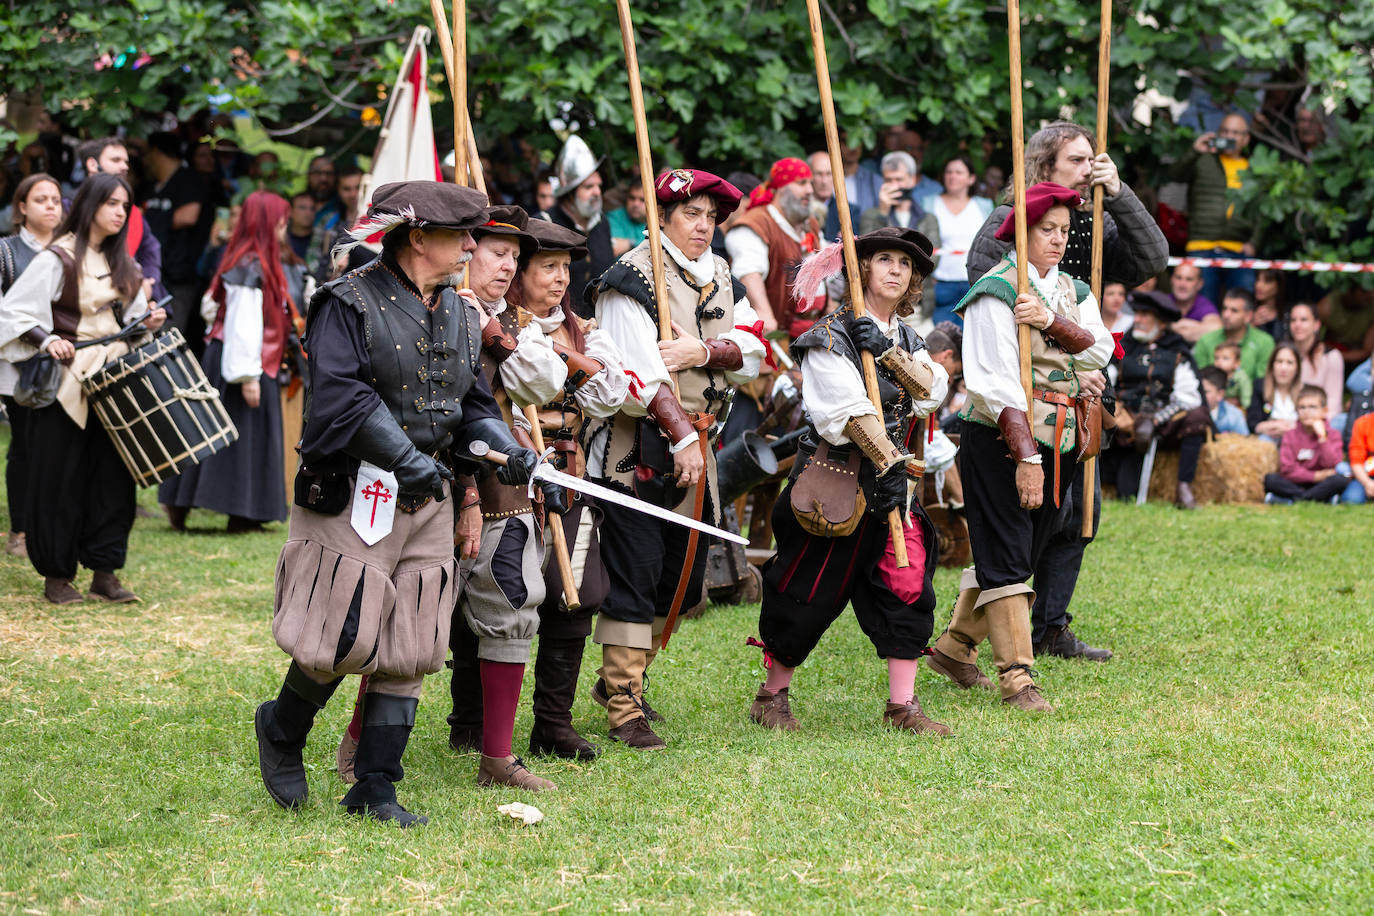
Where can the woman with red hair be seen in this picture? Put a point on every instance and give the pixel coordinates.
(247, 310)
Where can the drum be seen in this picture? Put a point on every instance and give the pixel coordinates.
(161, 413)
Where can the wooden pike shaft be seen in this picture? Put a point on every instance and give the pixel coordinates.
(851, 255)
(555, 526)
(1018, 164)
(1104, 59)
(446, 51)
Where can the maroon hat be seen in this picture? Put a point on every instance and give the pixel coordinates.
(681, 184)
(1040, 198)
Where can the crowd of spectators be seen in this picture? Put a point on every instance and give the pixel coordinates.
(1261, 345)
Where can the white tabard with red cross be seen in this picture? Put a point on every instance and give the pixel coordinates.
(374, 503)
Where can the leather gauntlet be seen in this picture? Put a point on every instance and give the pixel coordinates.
(913, 375)
(669, 415)
(722, 354)
(580, 366)
(496, 341)
(870, 435)
(1016, 431)
(1071, 337)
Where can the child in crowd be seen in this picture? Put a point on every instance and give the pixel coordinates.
(1308, 456)
(1239, 386)
(1226, 417)
(1361, 488)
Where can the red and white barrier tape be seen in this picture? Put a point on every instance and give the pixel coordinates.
(1263, 264)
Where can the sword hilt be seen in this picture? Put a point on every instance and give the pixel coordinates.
(480, 449)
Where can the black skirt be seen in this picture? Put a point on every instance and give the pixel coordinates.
(246, 479)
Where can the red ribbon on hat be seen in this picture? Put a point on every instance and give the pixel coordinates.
(783, 172)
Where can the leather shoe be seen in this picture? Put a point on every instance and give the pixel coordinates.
(510, 771)
(389, 813)
(1061, 642)
(774, 710)
(106, 585)
(599, 694)
(60, 591)
(912, 718)
(964, 675)
(1029, 699)
(637, 734)
(345, 756)
(1183, 496)
(283, 772)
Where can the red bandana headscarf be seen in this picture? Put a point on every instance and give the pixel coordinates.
(783, 172)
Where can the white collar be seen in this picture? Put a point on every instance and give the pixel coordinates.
(551, 322)
(1048, 285)
(781, 220)
(702, 270)
(28, 238)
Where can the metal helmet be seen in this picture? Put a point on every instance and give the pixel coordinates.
(574, 165)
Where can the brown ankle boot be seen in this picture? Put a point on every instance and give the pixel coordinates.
(1029, 699)
(60, 591)
(964, 675)
(637, 734)
(774, 710)
(598, 693)
(913, 718)
(510, 771)
(343, 758)
(106, 585)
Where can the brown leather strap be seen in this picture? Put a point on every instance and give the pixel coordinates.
(1060, 413)
(722, 354)
(1053, 397)
(689, 559)
(496, 341)
(1072, 337)
(580, 366)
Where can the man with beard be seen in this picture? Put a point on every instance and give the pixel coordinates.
(769, 241)
(578, 207)
(109, 155)
(1133, 250)
(333, 221)
(394, 393)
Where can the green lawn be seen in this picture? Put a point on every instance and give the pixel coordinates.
(1220, 763)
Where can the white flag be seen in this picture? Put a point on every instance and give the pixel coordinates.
(374, 503)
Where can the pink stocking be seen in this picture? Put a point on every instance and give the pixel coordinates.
(779, 677)
(901, 680)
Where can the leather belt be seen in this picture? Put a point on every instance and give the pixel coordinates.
(1062, 402)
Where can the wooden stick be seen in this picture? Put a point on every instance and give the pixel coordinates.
(851, 256)
(646, 171)
(1018, 165)
(445, 41)
(555, 523)
(1104, 61)
(460, 91)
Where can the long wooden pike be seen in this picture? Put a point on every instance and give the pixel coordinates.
(851, 256)
(447, 51)
(1018, 165)
(1104, 60)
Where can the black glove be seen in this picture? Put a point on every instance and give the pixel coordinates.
(555, 497)
(519, 467)
(380, 441)
(868, 336)
(889, 491)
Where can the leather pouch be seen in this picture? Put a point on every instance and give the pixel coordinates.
(1087, 416)
(826, 497)
(327, 494)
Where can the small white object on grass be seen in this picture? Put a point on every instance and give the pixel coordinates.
(527, 814)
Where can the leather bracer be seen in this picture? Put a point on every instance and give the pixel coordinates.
(669, 415)
(870, 435)
(722, 354)
(1071, 337)
(580, 366)
(912, 374)
(1016, 431)
(497, 342)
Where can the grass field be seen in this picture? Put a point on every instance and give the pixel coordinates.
(1219, 764)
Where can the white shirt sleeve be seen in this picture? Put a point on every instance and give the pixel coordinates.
(992, 357)
(603, 394)
(1186, 394)
(750, 347)
(632, 331)
(748, 253)
(28, 304)
(242, 358)
(833, 393)
(534, 373)
(1100, 353)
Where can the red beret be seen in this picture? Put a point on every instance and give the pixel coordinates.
(1040, 198)
(682, 184)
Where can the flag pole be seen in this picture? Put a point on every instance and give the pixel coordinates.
(851, 256)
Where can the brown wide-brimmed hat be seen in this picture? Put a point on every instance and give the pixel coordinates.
(553, 237)
(511, 222)
(1161, 306)
(428, 205)
(895, 238)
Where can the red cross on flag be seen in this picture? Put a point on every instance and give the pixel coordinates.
(374, 503)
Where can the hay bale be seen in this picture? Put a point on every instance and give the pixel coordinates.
(1231, 469)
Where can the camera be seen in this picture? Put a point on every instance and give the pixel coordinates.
(1224, 144)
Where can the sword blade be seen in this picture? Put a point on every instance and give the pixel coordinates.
(543, 471)
(1147, 470)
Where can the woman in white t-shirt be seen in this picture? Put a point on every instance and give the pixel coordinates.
(951, 220)
(1273, 409)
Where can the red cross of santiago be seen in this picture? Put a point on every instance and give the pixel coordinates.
(378, 494)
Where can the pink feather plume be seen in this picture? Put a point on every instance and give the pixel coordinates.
(816, 269)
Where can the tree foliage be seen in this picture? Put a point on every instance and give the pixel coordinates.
(732, 82)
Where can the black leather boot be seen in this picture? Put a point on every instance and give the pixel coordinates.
(555, 685)
(387, 721)
(1061, 642)
(465, 687)
(282, 726)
